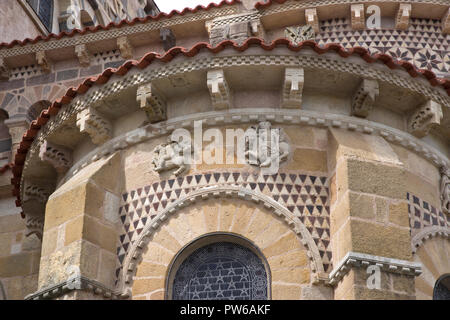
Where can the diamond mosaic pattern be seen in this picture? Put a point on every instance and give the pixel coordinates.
(423, 44)
(306, 196)
(422, 215)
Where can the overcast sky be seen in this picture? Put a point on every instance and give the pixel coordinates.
(169, 5)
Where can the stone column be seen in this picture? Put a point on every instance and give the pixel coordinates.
(369, 219)
(78, 259)
(17, 128)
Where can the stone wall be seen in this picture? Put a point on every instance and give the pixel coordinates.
(10, 13)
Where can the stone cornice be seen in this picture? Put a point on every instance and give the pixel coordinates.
(80, 283)
(360, 260)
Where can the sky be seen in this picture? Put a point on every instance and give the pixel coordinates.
(169, 5)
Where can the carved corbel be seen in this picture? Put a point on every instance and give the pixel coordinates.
(365, 97)
(299, 34)
(312, 19)
(35, 225)
(59, 157)
(424, 118)
(219, 89)
(446, 22)
(403, 16)
(152, 102)
(257, 29)
(35, 197)
(445, 189)
(294, 80)
(83, 55)
(125, 47)
(358, 17)
(43, 61)
(4, 70)
(168, 38)
(99, 128)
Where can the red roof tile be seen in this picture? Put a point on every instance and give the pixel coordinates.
(169, 55)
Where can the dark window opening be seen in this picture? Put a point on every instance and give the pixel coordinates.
(44, 10)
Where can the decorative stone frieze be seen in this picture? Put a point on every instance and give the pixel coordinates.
(4, 70)
(364, 98)
(300, 34)
(312, 19)
(360, 260)
(59, 157)
(152, 101)
(43, 61)
(294, 79)
(403, 16)
(219, 90)
(125, 47)
(83, 55)
(445, 189)
(170, 155)
(446, 23)
(358, 17)
(34, 225)
(424, 118)
(168, 38)
(260, 152)
(38, 193)
(99, 128)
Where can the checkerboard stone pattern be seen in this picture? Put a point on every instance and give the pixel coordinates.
(423, 215)
(423, 44)
(306, 196)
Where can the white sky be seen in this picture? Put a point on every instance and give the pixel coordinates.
(169, 5)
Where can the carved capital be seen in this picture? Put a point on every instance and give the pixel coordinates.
(219, 89)
(4, 70)
(446, 22)
(312, 19)
(83, 55)
(424, 118)
(364, 98)
(403, 16)
(99, 128)
(294, 79)
(125, 47)
(152, 102)
(358, 17)
(168, 38)
(43, 61)
(59, 157)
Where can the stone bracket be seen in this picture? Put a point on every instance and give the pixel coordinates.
(446, 23)
(33, 192)
(34, 225)
(83, 55)
(96, 125)
(4, 70)
(299, 34)
(361, 260)
(43, 61)
(294, 79)
(219, 90)
(358, 17)
(364, 98)
(152, 102)
(403, 16)
(424, 118)
(312, 19)
(125, 47)
(168, 38)
(59, 157)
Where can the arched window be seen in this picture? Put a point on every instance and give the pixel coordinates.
(220, 270)
(442, 288)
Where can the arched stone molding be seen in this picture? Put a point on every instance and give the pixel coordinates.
(434, 255)
(134, 256)
(428, 233)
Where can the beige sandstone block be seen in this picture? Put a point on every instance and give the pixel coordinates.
(286, 243)
(403, 283)
(398, 214)
(211, 212)
(291, 275)
(424, 287)
(259, 223)
(242, 218)
(158, 255)
(100, 234)
(308, 160)
(12, 223)
(74, 230)
(5, 244)
(16, 265)
(196, 222)
(297, 258)
(107, 269)
(89, 260)
(158, 295)
(286, 292)
(166, 240)
(272, 234)
(226, 215)
(381, 209)
(49, 241)
(179, 226)
(143, 286)
(303, 137)
(148, 269)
